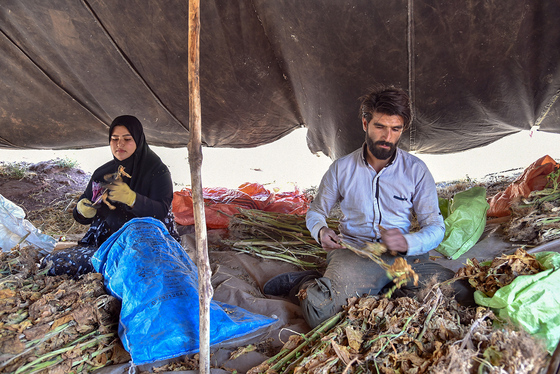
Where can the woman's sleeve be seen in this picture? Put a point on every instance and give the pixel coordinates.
(158, 201)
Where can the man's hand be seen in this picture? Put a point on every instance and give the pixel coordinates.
(86, 209)
(329, 239)
(394, 240)
(119, 191)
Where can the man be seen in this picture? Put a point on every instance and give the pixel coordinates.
(379, 187)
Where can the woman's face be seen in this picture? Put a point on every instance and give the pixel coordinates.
(122, 143)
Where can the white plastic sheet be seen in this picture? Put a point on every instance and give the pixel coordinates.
(14, 228)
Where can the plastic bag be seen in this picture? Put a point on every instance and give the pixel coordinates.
(14, 227)
(531, 301)
(534, 178)
(220, 203)
(465, 219)
(157, 282)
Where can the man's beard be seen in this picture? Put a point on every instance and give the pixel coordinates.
(380, 153)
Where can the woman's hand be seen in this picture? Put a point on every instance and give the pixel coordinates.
(86, 209)
(119, 191)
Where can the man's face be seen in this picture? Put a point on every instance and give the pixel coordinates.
(383, 133)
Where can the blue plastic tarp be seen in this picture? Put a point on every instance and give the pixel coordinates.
(157, 282)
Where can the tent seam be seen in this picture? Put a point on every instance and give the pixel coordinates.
(299, 116)
(44, 72)
(131, 66)
(411, 88)
(546, 109)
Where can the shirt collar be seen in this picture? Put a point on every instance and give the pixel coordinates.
(364, 153)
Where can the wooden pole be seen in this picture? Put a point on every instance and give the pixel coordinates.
(205, 290)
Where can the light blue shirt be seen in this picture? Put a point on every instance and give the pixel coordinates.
(389, 198)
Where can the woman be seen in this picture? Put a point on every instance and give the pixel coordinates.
(144, 189)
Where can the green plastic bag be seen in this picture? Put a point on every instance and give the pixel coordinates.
(465, 219)
(531, 301)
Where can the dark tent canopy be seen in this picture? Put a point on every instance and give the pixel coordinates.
(476, 70)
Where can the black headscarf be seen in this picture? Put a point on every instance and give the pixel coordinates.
(142, 165)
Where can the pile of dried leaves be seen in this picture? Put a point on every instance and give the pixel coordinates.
(493, 183)
(489, 278)
(535, 219)
(53, 324)
(380, 335)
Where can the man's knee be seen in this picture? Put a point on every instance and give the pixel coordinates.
(319, 302)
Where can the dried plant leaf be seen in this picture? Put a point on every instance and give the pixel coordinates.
(500, 272)
(405, 336)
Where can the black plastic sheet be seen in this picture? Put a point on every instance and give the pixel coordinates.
(477, 70)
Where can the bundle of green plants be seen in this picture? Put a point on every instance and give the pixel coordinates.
(278, 236)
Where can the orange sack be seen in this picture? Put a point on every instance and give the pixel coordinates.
(221, 203)
(534, 178)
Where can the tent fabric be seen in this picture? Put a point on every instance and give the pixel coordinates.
(476, 71)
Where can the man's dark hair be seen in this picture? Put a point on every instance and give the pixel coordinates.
(386, 100)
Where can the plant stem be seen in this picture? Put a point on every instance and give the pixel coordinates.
(312, 335)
